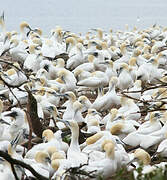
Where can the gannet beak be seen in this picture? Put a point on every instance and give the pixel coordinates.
(55, 94)
(50, 108)
(15, 141)
(48, 160)
(3, 122)
(3, 16)
(6, 37)
(103, 62)
(130, 162)
(64, 121)
(67, 45)
(44, 139)
(119, 141)
(95, 112)
(5, 75)
(117, 118)
(11, 114)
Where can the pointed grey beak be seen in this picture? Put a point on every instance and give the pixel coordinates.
(64, 121)
(67, 45)
(11, 114)
(4, 122)
(130, 162)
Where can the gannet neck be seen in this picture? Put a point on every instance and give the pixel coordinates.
(74, 139)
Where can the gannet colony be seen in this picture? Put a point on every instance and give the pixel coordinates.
(78, 106)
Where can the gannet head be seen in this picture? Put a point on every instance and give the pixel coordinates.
(42, 80)
(82, 99)
(92, 112)
(62, 74)
(79, 46)
(77, 106)
(132, 61)
(94, 138)
(47, 135)
(24, 25)
(136, 52)
(123, 48)
(93, 122)
(70, 40)
(116, 129)
(153, 61)
(124, 66)
(154, 116)
(55, 164)
(11, 72)
(57, 155)
(70, 95)
(32, 48)
(113, 81)
(42, 157)
(109, 147)
(59, 30)
(53, 110)
(16, 113)
(109, 62)
(37, 41)
(112, 48)
(59, 80)
(142, 156)
(51, 150)
(138, 83)
(60, 62)
(78, 72)
(90, 58)
(139, 43)
(14, 42)
(80, 40)
(38, 31)
(104, 45)
(113, 113)
(10, 149)
(146, 49)
(7, 36)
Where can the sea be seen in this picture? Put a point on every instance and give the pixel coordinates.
(79, 16)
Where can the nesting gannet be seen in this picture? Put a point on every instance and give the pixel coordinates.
(23, 26)
(33, 60)
(88, 66)
(77, 59)
(48, 136)
(85, 102)
(124, 78)
(68, 78)
(68, 114)
(74, 154)
(17, 50)
(107, 166)
(109, 99)
(19, 121)
(138, 137)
